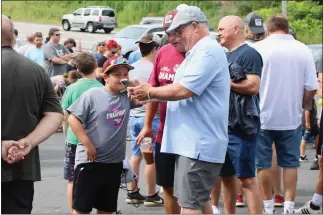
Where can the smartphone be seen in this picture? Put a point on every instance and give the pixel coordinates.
(126, 82)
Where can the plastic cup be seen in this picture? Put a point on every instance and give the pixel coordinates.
(146, 149)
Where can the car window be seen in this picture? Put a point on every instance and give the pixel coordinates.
(78, 12)
(152, 21)
(95, 12)
(109, 13)
(87, 12)
(131, 33)
(155, 30)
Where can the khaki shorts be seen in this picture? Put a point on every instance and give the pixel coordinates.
(193, 181)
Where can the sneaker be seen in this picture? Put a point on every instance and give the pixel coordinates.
(274, 212)
(215, 210)
(287, 212)
(303, 158)
(155, 200)
(135, 198)
(306, 209)
(279, 201)
(240, 202)
(315, 166)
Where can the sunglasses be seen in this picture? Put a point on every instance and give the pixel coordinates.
(180, 29)
(101, 44)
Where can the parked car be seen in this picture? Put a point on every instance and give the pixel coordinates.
(159, 20)
(151, 20)
(316, 51)
(91, 18)
(128, 36)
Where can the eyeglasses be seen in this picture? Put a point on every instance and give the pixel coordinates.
(180, 29)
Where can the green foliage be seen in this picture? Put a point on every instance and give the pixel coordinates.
(305, 16)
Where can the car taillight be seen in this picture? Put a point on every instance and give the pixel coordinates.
(100, 19)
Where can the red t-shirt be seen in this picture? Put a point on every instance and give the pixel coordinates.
(166, 63)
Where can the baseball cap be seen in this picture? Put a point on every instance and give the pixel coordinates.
(149, 38)
(115, 62)
(186, 15)
(168, 18)
(255, 23)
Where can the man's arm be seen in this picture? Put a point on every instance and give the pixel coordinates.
(67, 57)
(319, 90)
(45, 128)
(249, 86)
(307, 98)
(79, 130)
(57, 60)
(171, 92)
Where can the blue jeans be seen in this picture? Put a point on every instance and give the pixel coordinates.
(287, 148)
(240, 158)
(136, 125)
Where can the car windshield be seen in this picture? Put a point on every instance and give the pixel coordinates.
(131, 33)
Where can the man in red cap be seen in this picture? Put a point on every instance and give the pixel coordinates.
(166, 62)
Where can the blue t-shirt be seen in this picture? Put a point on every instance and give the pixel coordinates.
(134, 57)
(35, 54)
(250, 61)
(197, 127)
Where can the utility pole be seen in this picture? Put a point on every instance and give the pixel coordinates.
(284, 7)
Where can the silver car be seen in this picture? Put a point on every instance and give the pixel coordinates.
(128, 36)
(91, 18)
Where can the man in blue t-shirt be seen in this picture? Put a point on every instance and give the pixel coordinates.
(245, 65)
(196, 126)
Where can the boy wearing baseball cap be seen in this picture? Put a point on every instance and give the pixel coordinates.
(99, 119)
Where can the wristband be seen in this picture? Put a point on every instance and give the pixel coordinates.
(149, 98)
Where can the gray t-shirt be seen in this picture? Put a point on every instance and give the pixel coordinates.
(141, 72)
(51, 51)
(105, 118)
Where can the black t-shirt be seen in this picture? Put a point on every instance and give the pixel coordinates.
(251, 63)
(26, 93)
(101, 61)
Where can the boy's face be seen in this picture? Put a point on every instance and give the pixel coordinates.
(115, 76)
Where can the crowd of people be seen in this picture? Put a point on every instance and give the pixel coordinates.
(221, 109)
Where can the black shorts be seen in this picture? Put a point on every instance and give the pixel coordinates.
(96, 185)
(17, 197)
(69, 161)
(165, 168)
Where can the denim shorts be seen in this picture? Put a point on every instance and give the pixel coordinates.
(136, 124)
(287, 145)
(240, 158)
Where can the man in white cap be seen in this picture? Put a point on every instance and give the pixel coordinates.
(196, 127)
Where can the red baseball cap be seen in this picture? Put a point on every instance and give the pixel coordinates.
(168, 18)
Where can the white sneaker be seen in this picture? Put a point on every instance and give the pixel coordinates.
(274, 212)
(216, 210)
(306, 209)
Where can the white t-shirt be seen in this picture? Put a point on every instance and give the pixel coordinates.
(288, 70)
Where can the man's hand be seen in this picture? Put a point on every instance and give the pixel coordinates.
(90, 150)
(140, 92)
(145, 132)
(6, 145)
